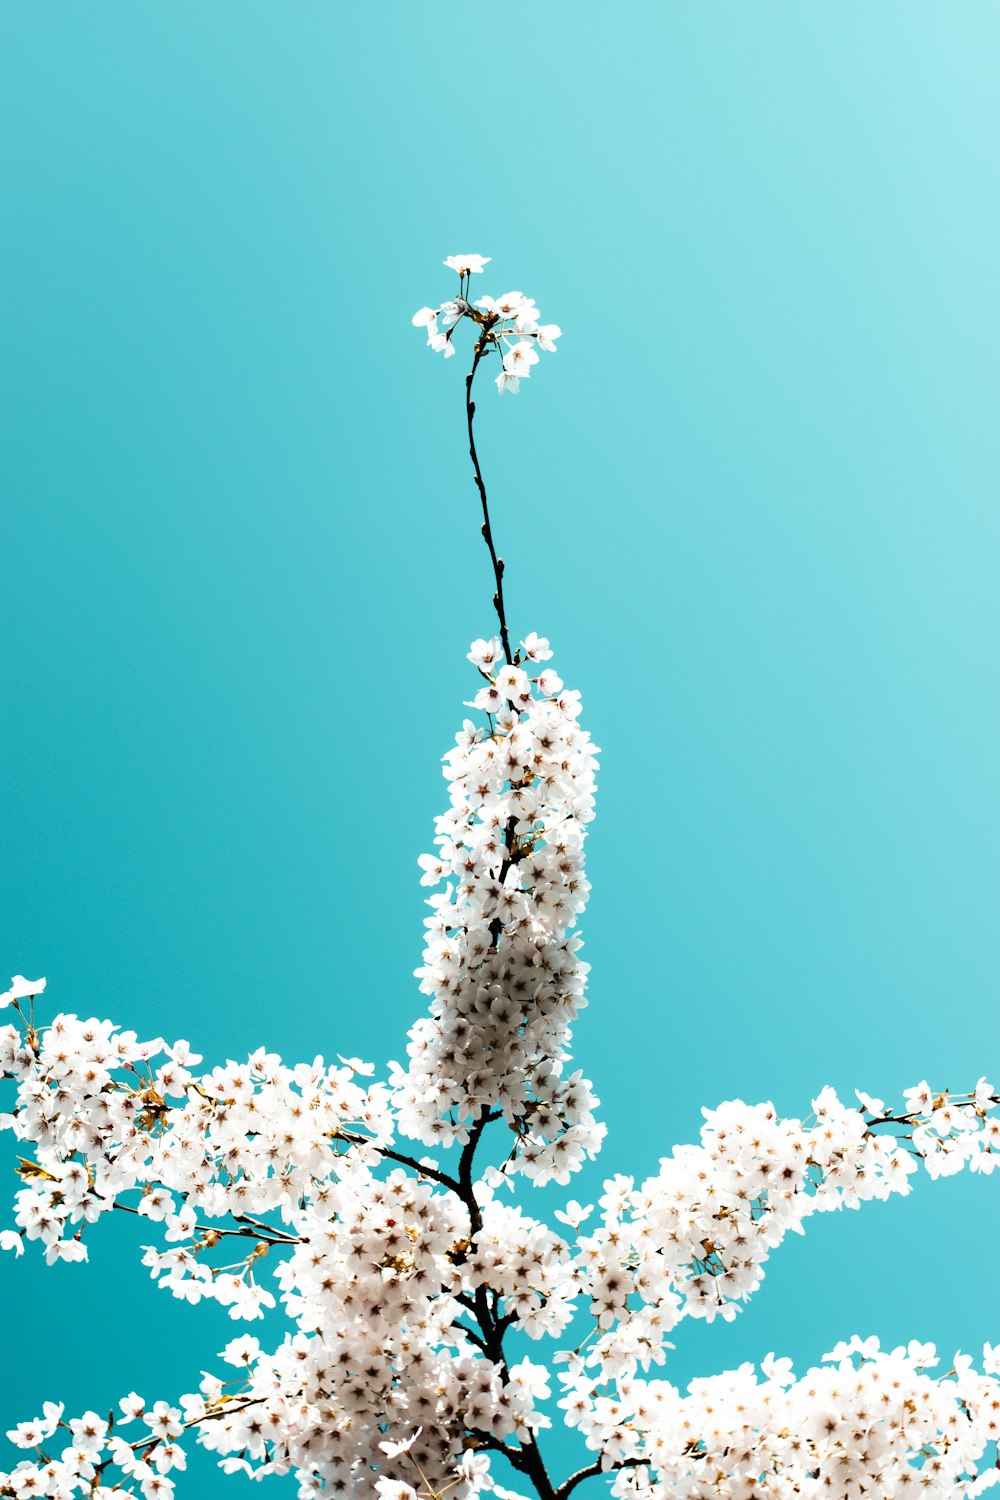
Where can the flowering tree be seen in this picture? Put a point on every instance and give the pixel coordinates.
(389, 1218)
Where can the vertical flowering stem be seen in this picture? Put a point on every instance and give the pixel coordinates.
(510, 325)
(470, 412)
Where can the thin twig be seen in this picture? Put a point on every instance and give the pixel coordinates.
(268, 1236)
(591, 1472)
(470, 412)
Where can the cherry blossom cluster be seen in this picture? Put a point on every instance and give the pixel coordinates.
(378, 1273)
(401, 1277)
(369, 1267)
(508, 324)
(692, 1240)
(108, 1115)
(867, 1422)
(501, 961)
(89, 1455)
(949, 1131)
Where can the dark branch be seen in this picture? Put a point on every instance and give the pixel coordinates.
(470, 1334)
(404, 1161)
(470, 412)
(591, 1472)
(464, 1185)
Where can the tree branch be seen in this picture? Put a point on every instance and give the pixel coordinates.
(470, 412)
(591, 1472)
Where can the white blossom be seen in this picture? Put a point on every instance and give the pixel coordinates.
(467, 264)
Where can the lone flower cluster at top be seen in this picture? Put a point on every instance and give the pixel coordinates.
(508, 324)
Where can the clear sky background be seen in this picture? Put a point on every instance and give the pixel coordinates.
(752, 500)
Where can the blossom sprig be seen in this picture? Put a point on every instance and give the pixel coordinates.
(866, 1422)
(693, 1239)
(508, 325)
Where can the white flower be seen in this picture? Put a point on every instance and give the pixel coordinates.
(984, 1094)
(486, 654)
(357, 1065)
(441, 344)
(536, 647)
(778, 1370)
(475, 1469)
(21, 989)
(131, 1407)
(67, 1250)
(393, 1450)
(507, 306)
(574, 1214)
(164, 1420)
(519, 360)
(243, 1350)
(919, 1099)
(88, 1432)
(467, 264)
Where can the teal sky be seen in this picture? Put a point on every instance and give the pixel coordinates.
(752, 500)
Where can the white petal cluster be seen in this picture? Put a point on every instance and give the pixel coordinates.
(501, 960)
(509, 325)
(866, 1423)
(240, 1140)
(525, 1265)
(368, 1266)
(692, 1240)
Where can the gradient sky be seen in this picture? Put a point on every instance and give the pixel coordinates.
(752, 501)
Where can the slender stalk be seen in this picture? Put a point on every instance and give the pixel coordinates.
(487, 530)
